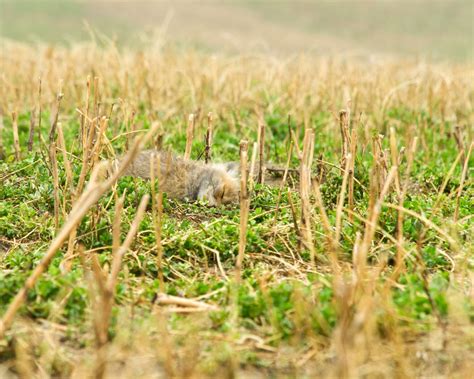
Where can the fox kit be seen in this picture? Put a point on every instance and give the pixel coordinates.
(188, 180)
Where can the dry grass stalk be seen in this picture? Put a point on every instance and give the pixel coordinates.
(401, 200)
(355, 310)
(120, 252)
(459, 137)
(371, 225)
(296, 145)
(345, 135)
(66, 161)
(209, 137)
(289, 133)
(16, 138)
(159, 141)
(32, 129)
(106, 282)
(96, 98)
(428, 223)
(342, 196)
(39, 106)
(305, 189)
(283, 181)
(321, 170)
(189, 305)
(293, 214)
(189, 136)
(244, 208)
(66, 263)
(332, 243)
(157, 212)
(353, 152)
(99, 141)
(394, 157)
(2, 150)
(85, 115)
(86, 148)
(251, 175)
(54, 170)
(261, 147)
(461, 184)
(53, 159)
(55, 117)
(380, 164)
(437, 203)
(446, 180)
(131, 127)
(87, 199)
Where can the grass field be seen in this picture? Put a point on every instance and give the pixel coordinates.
(359, 264)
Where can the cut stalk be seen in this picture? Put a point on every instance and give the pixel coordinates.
(209, 137)
(305, 189)
(189, 137)
(244, 208)
(32, 129)
(16, 139)
(461, 184)
(157, 209)
(261, 147)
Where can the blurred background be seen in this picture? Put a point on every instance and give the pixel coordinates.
(436, 30)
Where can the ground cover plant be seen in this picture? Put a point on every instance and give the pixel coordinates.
(357, 264)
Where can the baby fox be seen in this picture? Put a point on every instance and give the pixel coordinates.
(188, 180)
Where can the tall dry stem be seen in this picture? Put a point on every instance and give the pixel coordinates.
(261, 147)
(251, 175)
(283, 181)
(353, 152)
(106, 282)
(342, 196)
(305, 190)
(345, 137)
(2, 149)
(463, 178)
(371, 225)
(244, 208)
(54, 169)
(401, 200)
(157, 212)
(189, 136)
(32, 129)
(394, 157)
(332, 243)
(66, 161)
(53, 158)
(209, 137)
(16, 138)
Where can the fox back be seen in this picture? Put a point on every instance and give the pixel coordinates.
(187, 179)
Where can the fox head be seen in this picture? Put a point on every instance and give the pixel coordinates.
(226, 193)
(220, 186)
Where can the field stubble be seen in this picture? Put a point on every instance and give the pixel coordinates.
(358, 263)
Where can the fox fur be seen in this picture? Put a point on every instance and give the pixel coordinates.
(216, 183)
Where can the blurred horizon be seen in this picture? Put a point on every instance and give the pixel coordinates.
(435, 30)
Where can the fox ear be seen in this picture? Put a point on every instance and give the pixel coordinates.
(219, 193)
(232, 169)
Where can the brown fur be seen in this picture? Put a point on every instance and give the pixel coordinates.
(187, 179)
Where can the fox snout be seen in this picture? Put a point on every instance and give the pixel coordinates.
(226, 193)
(219, 190)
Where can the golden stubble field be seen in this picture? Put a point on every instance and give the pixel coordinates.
(358, 265)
